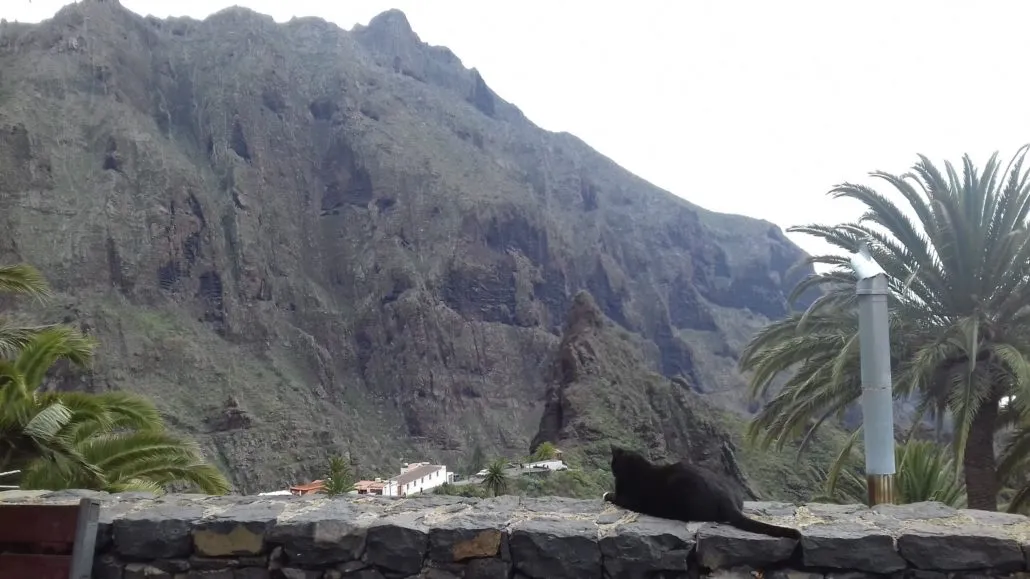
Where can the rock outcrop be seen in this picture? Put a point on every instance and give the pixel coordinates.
(350, 232)
(604, 388)
(547, 538)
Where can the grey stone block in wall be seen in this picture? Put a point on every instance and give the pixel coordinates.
(322, 533)
(397, 543)
(959, 549)
(463, 540)
(114, 507)
(558, 547)
(722, 546)
(238, 530)
(161, 530)
(473, 532)
(487, 569)
(850, 546)
(648, 545)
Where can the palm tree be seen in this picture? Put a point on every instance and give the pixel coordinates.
(959, 276)
(925, 472)
(113, 441)
(495, 480)
(20, 279)
(338, 480)
(546, 451)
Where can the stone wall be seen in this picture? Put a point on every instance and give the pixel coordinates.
(246, 537)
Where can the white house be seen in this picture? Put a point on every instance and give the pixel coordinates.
(415, 477)
(418, 477)
(555, 464)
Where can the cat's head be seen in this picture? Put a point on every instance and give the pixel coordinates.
(624, 459)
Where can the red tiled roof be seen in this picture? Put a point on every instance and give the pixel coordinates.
(311, 486)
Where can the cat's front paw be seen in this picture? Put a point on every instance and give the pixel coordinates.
(604, 497)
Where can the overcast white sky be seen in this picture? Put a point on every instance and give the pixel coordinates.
(749, 107)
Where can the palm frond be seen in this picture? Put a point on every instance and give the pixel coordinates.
(48, 346)
(23, 279)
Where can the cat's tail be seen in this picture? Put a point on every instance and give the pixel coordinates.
(752, 526)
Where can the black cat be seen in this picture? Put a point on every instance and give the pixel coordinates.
(683, 492)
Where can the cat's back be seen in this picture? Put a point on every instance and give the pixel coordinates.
(686, 475)
(707, 490)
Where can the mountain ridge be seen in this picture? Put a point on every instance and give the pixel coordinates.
(346, 237)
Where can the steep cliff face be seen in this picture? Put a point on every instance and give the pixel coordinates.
(300, 240)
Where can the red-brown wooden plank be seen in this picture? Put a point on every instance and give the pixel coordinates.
(38, 523)
(16, 566)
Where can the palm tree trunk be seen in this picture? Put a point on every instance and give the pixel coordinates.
(978, 460)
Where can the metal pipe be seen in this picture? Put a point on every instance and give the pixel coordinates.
(877, 398)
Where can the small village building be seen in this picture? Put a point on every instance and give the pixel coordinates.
(556, 464)
(378, 486)
(418, 477)
(317, 486)
(368, 487)
(275, 494)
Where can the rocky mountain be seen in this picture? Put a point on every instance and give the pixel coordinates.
(300, 240)
(604, 388)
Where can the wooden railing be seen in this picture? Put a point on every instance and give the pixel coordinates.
(48, 541)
